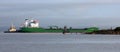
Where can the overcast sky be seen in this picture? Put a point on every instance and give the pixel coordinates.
(75, 13)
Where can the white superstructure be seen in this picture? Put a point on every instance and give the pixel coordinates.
(12, 28)
(26, 23)
(31, 23)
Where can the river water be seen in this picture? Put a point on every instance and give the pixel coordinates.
(57, 42)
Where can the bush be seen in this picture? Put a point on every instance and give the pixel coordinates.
(117, 29)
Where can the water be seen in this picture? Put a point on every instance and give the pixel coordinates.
(57, 42)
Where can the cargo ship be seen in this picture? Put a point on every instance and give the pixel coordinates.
(32, 26)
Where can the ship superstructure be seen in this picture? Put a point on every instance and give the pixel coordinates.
(31, 23)
(12, 28)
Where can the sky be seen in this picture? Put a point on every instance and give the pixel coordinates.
(75, 13)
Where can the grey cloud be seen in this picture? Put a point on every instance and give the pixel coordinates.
(25, 9)
(54, 13)
(59, 1)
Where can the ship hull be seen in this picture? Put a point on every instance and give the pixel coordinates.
(42, 30)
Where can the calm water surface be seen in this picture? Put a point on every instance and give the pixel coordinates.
(57, 42)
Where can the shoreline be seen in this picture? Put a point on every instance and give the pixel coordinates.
(104, 32)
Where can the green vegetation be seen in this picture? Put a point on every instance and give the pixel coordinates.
(117, 29)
